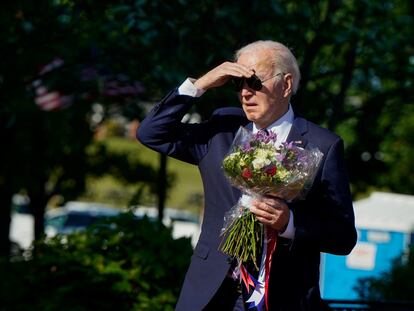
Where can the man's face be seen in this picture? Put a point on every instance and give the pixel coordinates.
(265, 106)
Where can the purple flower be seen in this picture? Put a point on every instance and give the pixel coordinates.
(265, 137)
(246, 147)
(280, 157)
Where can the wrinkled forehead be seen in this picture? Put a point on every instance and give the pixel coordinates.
(260, 61)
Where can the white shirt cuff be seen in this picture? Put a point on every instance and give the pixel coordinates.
(289, 233)
(188, 88)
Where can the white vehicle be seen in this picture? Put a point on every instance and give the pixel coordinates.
(76, 216)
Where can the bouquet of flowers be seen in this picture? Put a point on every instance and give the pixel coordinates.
(258, 167)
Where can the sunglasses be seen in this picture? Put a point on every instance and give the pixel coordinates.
(253, 82)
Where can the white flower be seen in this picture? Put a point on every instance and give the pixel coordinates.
(262, 159)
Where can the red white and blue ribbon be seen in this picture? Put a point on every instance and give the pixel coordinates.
(256, 290)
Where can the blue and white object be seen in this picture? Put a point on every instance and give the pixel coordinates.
(385, 224)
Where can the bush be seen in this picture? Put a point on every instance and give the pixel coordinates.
(121, 264)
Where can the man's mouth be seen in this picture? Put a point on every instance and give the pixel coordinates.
(249, 107)
(250, 104)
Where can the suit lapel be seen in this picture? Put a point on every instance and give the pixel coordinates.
(297, 131)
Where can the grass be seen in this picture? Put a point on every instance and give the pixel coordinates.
(185, 193)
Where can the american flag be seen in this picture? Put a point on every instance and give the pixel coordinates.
(50, 100)
(111, 85)
(46, 99)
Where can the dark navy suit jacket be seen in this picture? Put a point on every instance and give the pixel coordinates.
(324, 221)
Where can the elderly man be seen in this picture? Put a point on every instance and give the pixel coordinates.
(266, 75)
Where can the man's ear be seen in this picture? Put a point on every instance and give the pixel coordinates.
(287, 85)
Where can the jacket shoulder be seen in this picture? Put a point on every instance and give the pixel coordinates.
(317, 132)
(316, 135)
(228, 118)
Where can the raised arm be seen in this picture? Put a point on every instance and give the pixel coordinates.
(162, 129)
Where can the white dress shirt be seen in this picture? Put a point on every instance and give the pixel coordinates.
(281, 127)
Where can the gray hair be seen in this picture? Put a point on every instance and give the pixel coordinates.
(284, 60)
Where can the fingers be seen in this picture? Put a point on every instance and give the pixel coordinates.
(221, 74)
(265, 212)
(271, 211)
(237, 70)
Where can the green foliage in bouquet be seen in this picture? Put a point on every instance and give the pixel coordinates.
(244, 239)
(120, 264)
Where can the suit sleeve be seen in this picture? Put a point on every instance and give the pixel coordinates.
(163, 131)
(325, 220)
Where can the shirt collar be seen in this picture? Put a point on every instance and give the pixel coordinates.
(281, 124)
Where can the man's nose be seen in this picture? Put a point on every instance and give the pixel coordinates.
(246, 90)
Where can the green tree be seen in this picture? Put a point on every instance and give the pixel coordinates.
(355, 56)
(46, 151)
